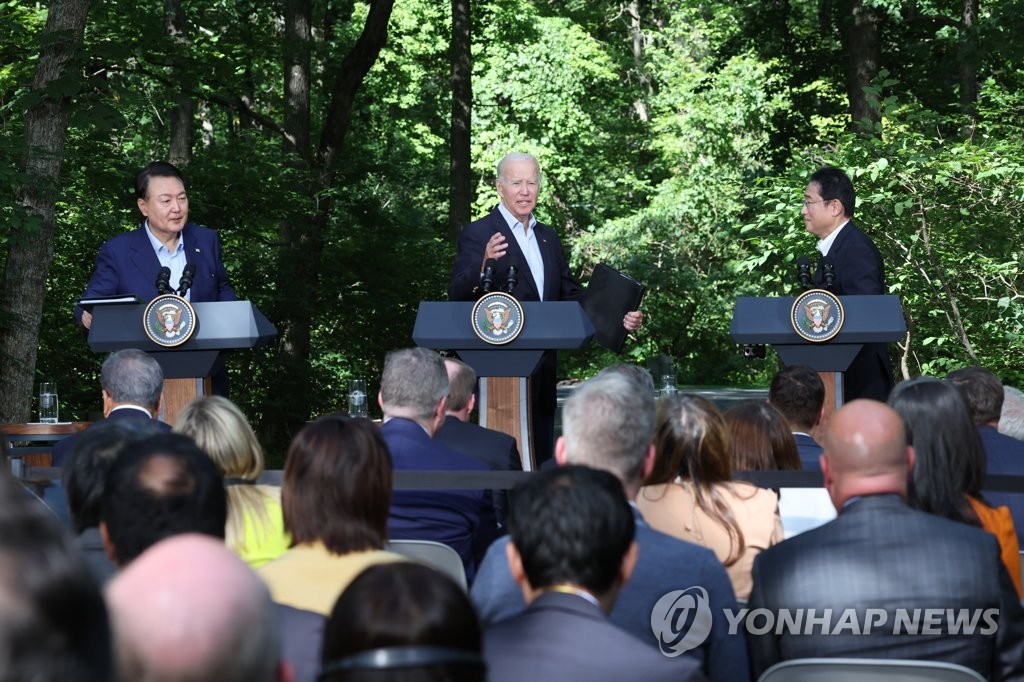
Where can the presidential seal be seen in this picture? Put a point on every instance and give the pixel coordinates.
(817, 315)
(497, 318)
(169, 320)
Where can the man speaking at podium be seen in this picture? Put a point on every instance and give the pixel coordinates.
(130, 263)
(511, 237)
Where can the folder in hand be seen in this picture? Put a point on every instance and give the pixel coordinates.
(608, 297)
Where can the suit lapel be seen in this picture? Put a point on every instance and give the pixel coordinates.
(515, 254)
(144, 258)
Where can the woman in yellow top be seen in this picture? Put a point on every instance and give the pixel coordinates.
(255, 526)
(690, 493)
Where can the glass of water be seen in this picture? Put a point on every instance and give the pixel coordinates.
(48, 412)
(357, 398)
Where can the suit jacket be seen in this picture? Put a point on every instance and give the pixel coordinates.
(462, 519)
(495, 449)
(808, 449)
(564, 637)
(62, 448)
(1004, 455)
(127, 264)
(859, 272)
(881, 554)
(665, 564)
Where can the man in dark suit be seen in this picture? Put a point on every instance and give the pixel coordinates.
(130, 263)
(571, 549)
(983, 393)
(856, 267)
(413, 393)
(511, 236)
(131, 383)
(798, 393)
(495, 449)
(884, 580)
(609, 425)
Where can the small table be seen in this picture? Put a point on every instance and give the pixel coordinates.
(32, 442)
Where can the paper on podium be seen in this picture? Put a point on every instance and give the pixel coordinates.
(608, 297)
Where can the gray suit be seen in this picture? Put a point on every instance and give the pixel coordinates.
(880, 554)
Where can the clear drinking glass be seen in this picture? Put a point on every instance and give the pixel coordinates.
(357, 398)
(48, 408)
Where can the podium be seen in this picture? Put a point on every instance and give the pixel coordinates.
(504, 370)
(867, 319)
(223, 326)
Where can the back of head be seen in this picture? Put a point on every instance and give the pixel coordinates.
(84, 474)
(799, 394)
(131, 376)
(836, 184)
(414, 380)
(1011, 418)
(188, 610)
(636, 373)
(461, 383)
(866, 450)
(607, 423)
(761, 439)
(53, 622)
(982, 392)
(159, 487)
(949, 459)
(161, 169)
(691, 442)
(337, 485)
(402, 622)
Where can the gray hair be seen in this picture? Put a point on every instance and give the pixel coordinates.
(1011, 419)
(131, 376)
(414, 380)
(516, 156)
(608, 423)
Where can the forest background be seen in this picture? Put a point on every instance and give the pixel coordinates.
(337, 147)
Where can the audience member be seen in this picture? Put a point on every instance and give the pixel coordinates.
(1011, 417)
(53, 623)
(161, 486)
(869, 574)
(984, 395)
(690, 494)
(495, 449)
(635, 373)
(255, 528)
(131, 383)
(413, 394)
(608, 423)
(84, 477)
(402, 623)
(571, 549)
(189, 610)
(949, 463)
(799, 395)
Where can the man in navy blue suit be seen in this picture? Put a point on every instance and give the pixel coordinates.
(413, 393)
(856, 267)
(130, 263)
(799, 394)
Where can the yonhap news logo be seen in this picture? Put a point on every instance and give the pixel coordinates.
(681, 620)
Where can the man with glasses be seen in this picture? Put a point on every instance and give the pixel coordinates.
(829, 201)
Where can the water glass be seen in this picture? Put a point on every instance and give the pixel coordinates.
(48, 413)
(357, 398)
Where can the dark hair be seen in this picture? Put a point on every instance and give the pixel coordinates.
(761, 439)
(85, 472)
(160, 169)
(949, 458)
(982, 392)
(571, 525)
(402, 608)
(337, 485)
(161, 486)
(53, 625)
(798, 393)
(835, 184)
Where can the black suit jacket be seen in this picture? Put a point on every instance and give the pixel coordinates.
(62, 448)
(495, 449)
(881, 554)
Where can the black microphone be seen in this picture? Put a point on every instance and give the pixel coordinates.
(512, 278)
(803, 267)
(186, 279)
(163, 281)
(487, 282)
(829, 270)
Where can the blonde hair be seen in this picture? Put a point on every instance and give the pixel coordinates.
(222, 431)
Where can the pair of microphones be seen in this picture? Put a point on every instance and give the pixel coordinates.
(511, 277)
(828, 272)
(163, 280)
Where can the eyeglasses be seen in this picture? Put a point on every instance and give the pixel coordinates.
(808, 204)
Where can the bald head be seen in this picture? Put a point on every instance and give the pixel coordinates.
(189, 609)
(866, 452)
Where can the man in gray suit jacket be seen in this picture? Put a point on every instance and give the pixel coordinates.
(884, 580)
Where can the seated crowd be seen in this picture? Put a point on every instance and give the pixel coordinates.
(641, 555)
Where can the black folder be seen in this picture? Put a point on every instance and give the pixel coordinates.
(608, 297)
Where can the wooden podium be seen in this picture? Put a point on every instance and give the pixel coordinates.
(223, 326)
(504, 370)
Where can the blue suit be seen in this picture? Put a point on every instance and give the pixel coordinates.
(495, 449)
(62, 448)
(462, 519)
(664, 564)
(127, 264)
(1004, 455)
(808, 449)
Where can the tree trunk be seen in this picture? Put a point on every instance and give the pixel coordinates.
(861, 28)
(30, 247)
(460, 197)
(181, 118)
(968, 63)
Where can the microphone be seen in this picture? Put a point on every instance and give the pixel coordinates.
(511, 279)
(186, 279)
(163, 281)
(803, 267)
(487, 282)
(829, 270)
